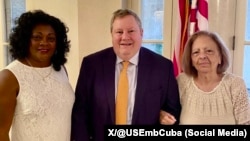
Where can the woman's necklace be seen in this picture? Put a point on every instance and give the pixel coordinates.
(42, 76)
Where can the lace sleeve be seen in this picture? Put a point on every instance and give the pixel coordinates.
(182, 80)
(240, 101)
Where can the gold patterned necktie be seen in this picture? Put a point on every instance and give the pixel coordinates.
(122, 96)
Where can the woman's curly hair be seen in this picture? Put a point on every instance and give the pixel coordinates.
(21, 34)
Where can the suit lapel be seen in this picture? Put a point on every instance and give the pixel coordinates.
(142, 79)
(109, 80)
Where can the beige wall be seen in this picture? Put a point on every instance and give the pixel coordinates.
(94, 23)
(2, 64)
(88, 22)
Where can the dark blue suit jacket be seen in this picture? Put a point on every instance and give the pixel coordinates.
(95, 93)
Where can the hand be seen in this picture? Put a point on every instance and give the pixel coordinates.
(166, 118)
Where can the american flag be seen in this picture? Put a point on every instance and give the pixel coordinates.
(192, 17)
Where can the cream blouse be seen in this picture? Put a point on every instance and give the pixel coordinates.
(227, 103)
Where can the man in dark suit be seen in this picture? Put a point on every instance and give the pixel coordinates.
(152, 84)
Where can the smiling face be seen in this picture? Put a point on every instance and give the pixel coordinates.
(205, 55)
(126, 37)
(42, 44)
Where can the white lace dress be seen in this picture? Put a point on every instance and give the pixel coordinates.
(44, 105)
(227, 103)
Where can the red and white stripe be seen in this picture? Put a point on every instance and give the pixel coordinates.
(198, 16)
(192, 17)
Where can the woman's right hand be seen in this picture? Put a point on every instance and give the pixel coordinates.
(166, 118)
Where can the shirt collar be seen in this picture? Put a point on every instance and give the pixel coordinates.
(134, 60)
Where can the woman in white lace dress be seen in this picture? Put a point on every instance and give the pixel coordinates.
(36, 97)
(208, 93)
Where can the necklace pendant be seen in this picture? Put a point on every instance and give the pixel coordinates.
(37, 71)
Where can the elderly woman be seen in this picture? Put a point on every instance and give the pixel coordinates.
(209, 94)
